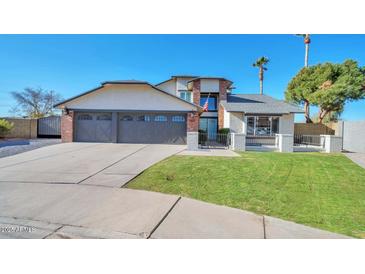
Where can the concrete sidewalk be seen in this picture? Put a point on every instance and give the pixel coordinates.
(358, 158)
(80, 211)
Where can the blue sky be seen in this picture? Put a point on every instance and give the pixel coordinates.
(71, 64)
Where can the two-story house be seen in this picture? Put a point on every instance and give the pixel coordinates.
(130, 111)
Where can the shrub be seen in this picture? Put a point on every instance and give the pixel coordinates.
(224, 131)
(5, 127)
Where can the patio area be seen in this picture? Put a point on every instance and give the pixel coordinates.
(279, 143)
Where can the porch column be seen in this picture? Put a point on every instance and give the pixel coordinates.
(192, 135)
(238, 141)
(285, 142)
(331, 143)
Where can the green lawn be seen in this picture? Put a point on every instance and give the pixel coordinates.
(319, 190)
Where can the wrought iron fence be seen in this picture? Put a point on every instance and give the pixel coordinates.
(212, 140)
(260, 141)
(308, 140)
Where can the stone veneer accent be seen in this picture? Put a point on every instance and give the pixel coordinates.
(67, 127)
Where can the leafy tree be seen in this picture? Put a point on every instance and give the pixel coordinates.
(35, 103)
(301, 87)
(332, 116)
(346, 83)
(328, 86)
(5, 127)
(260, 63)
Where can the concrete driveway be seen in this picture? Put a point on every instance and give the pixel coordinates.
(74, 191)
(84, 163)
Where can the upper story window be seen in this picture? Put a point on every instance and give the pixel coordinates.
(212, 101)
(185, 95)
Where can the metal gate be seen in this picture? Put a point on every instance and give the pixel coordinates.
(49, 126)
(214, 140)
(308, 140)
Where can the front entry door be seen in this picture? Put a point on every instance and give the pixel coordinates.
(210, 126)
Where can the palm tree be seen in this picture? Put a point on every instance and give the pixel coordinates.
(260, 62)
(307, 41)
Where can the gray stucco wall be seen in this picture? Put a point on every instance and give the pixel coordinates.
(236, 122)
(286, 124)
(354, 136)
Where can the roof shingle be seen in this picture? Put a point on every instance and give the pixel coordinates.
(258, 104)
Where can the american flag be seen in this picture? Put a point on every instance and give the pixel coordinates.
(205, 106)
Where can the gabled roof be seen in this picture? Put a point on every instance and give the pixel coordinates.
(258, 104)
(210, 78)
(184, 76)
(126, 82)
(176, 76)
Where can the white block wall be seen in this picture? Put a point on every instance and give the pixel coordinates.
(192, 140)
(285, 142)
(238, 141)
(332, 143)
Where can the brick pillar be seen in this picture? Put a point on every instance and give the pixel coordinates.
(222, 96)
(193, 122)
(67, 127)
(196, 92)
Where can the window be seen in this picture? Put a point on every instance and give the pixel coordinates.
(160, 118)
(262, 125)
(212, 102)
(127, 118)
(144, 118)
(274, 125)
(250, 125)
(185, 95)
(85, 117)
(178, 119)
(104, 117)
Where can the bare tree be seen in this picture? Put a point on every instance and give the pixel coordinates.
(35, 103)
